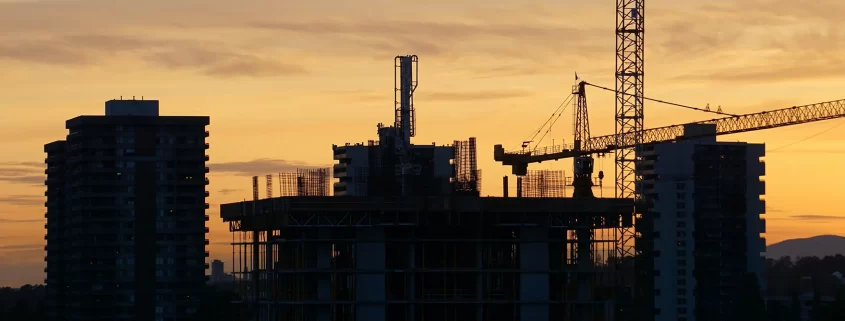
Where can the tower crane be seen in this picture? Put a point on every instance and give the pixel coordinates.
(630, 75)
(796, 115)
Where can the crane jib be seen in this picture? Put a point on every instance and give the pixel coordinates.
(724, 126)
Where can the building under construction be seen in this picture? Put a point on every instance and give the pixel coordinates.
(406, 236)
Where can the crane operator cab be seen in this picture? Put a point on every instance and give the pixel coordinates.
(583, 166)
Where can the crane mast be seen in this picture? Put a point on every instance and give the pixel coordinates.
(630, 70)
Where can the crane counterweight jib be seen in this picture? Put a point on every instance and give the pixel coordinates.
(724, 126)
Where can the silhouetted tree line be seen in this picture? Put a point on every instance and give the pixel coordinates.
(788, 283)
(24, 303)
(27, 303)
(797, 279)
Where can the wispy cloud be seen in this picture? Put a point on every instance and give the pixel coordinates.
(217, 59)
(475, 96)
(258, 167)
(526, 39)
(28, 173)
(227, 191)
(221, 63)
(755, 41)
(22, 247)
(13, 221)
(23, 200)
(818, 217)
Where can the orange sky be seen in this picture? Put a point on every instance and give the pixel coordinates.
(283, 80)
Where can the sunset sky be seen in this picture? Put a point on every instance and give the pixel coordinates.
(283, 80)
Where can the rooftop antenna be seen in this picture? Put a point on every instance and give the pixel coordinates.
(405, 82)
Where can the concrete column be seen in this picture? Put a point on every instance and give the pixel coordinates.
(412, 277)
(324, 285)
(369, 284)
(534, 282)
(479, 285)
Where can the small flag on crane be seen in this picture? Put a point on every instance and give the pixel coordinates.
(576, 76)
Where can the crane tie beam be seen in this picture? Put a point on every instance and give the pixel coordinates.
(665, 102)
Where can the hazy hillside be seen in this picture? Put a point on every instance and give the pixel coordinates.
(820, 246)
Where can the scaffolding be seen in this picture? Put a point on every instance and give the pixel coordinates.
(467, 176)
(305, 182)
(543, 183)
(424, 258)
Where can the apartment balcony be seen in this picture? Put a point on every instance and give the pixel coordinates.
(206, 145)
(207, 254)
(206, 218)
(206, 133)
(207, 193)
(207, 170)
(206, 229)
(340, 170)
(207, 158)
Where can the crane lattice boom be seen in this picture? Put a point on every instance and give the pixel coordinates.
(724, 126)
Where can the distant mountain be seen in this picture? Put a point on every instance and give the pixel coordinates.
(821, 246)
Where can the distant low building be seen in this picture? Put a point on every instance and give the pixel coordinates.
(218, 273)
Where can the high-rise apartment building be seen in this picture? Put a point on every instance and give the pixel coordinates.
(126, 215)
(701, 234)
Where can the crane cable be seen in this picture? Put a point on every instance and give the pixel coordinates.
(565, 105)
(557, 112)
(665, 102)
(806, 138)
